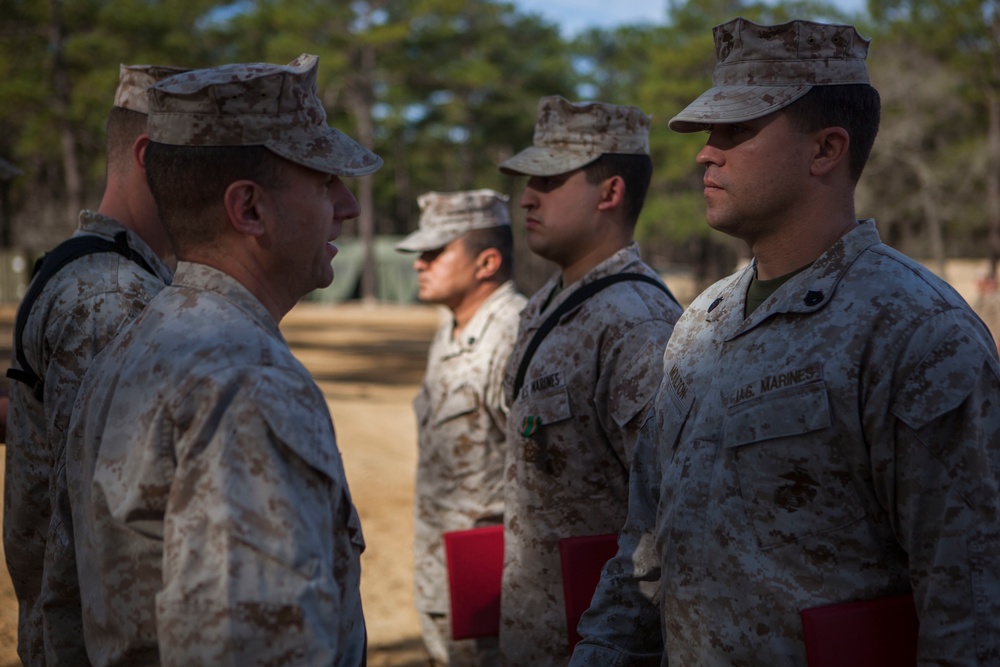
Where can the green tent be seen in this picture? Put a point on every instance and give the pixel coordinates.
(395, 279)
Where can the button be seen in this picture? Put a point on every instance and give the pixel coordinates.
(812, 298)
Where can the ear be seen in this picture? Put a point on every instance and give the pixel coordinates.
(245, 204)
(488, 263)
(139, 151)
(831, 150)
(612, 193)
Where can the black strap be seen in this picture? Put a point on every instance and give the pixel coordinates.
(572, 301)
(47, 266)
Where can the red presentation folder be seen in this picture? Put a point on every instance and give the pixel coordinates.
(475, 568)
(867, 633)
(582, 560)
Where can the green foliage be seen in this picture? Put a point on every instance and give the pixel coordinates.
(93, 39)
(672, 218)
(449, 88)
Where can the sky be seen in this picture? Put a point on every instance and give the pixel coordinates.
(573, 16)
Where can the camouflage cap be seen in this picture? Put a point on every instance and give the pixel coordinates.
(569, 136)
(256, 104)
(133, 80)
(762, 69)
(445, 216)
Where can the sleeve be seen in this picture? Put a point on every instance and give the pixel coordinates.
(936, 466)
(59, 344)
(622, 626)
(631, 369)
(61, 354)
(71, 341)
(62, 615)
(261, 542)
(496, 402)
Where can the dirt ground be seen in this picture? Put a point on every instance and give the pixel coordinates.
(368, 361)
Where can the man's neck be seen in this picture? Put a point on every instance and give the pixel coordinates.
(587, 263)
(464, 311)
(117, 205)
(781, 254)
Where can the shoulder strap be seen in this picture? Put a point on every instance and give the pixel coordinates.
(47, 266)
(575, 299)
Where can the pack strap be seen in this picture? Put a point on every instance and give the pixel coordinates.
(47, 266)
(572, 301)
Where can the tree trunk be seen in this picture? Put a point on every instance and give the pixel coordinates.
(362, 107)
(401, 174)
(931, 203)
(6, 216)
(993, 179)
(62, 101)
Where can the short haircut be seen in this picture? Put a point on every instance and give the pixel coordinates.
(189, 182)
(502, 238)
(856, 107)
(124, 127)
(635, 170)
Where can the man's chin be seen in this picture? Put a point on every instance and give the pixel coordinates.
(725, 225)
(326, 281)
(537, 246)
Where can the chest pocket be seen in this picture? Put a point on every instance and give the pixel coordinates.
(537, 412)
(791, 472)
(462, 401)
(550, 406)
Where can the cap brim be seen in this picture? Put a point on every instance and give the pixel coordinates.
(734, 104)
(546, 161)
(423, 240)
(329, 151)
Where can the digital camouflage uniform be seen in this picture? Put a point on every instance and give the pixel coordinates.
(838, 444)
(588, 385)
(212, 515)
(462, 417)
(211, 509)
(77, 314)
(460, 407)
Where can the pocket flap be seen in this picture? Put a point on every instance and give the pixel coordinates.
(461, 401)
(552, 406)
(797, 410)
(307, 430)
(942, 380)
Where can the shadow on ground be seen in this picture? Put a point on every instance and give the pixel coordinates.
(407, 652)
